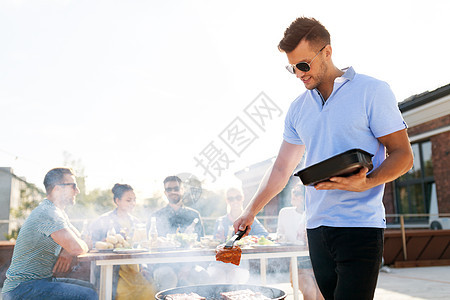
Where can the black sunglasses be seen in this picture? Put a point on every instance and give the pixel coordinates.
(175, 189)
(74, 185)
(303, 66)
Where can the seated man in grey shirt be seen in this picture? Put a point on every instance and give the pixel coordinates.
(46, 244)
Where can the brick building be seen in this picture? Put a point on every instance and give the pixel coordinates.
(428, 182)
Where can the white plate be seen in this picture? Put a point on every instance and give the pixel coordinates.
(129, 250)
(268, 245)
(102, 250)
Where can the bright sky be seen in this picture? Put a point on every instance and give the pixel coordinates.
(136, 89)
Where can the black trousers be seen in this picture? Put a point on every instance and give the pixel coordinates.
(346, 261)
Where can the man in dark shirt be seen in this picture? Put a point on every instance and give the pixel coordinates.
(175, 216)
(170, 219)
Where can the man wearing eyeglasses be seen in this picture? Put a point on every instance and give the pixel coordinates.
(46, 245)
(339, 111)
(175, 216)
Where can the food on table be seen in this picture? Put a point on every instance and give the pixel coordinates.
(184, 240)
(111, 239)
(229, 255)
(209, 242)
(264, 241)
(252, 240)
(120, 239)
(163, 242)
(103, 245)
(190, 296)
(243, 295)
(115, 241)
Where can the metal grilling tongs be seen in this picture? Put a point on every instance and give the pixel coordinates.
(237, 236)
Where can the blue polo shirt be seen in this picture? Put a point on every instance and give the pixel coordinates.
(359, 110)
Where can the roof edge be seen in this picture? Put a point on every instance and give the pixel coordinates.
(423, 98)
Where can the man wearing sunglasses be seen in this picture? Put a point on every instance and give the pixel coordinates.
(340, 110)
(46, 245)
(176, 216)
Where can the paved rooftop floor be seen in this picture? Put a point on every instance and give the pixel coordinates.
(404, 284)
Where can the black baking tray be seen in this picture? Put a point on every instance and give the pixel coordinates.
(343, 164)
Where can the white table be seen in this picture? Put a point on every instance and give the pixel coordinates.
(106, 261)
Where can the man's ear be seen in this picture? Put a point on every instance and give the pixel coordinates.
(328, 51)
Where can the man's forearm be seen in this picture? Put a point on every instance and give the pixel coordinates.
(395, 165)
(67, 239)
(399, 161)
(273, 183)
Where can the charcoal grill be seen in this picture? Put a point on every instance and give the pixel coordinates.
(212, 291)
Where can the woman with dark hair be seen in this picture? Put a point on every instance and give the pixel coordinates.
(128, 280)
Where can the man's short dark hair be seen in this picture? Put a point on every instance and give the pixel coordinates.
(172, 178)
(54, 177)
(308, 29)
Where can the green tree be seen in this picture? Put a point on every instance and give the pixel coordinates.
(89, 205)
(149, 205)
(95, 203)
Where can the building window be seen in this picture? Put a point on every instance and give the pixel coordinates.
(413, 190)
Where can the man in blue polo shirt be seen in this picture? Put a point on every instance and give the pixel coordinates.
(340, 110)
(46, 244)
